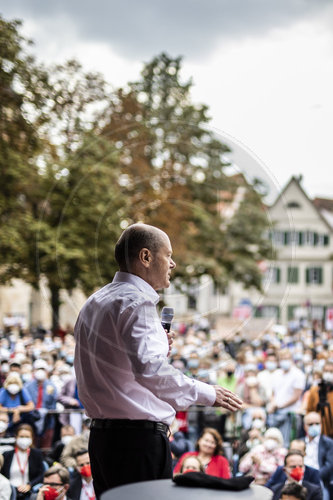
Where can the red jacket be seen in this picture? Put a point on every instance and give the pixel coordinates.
(218, 466)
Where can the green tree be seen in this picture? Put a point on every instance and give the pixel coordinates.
(59, 203)
(173, 169)
(21, 95)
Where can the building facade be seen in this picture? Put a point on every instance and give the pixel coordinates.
(297, 285)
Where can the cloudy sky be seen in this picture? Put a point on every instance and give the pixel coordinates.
(264, 68)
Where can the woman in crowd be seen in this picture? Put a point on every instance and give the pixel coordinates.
(209, 452)
(262, 460)
(15, 399)
(23, 466)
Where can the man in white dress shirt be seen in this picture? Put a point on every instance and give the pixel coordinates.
(125, 382)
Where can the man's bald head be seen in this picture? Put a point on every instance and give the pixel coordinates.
(135, 238)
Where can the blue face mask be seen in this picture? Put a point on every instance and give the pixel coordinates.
(193, 363)
(70, 359)
(314, 430)
(285, 364)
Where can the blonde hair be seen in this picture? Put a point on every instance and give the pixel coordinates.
(13, 378)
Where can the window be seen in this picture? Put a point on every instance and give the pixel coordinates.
(270, 312)
(292, 276)
(293, 204)
(273, 275)
(314, 275)
(192, 302)
(309, 238)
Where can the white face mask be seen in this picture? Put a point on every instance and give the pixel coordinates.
(26, 377)
(66, 439)
(40, 375)
(270, 444)
(257, 423)
(13, 389)
(328, 377)
(251, 381)
(23, 442)
(3, 426)
(5, 368)
(285, 364)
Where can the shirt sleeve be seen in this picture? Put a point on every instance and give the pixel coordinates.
(300, 381)
(2, 393)
(147, 347)
(25, 396)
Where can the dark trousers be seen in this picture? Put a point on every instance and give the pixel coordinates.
(123, 456)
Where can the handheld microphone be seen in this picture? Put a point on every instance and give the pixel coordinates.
(167, 317)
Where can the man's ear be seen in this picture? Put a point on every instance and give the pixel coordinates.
(145, 257)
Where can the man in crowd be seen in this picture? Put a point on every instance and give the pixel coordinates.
(287, 387)
(44, 396)
(311, 475)
(321, 399)
(81, 486)
(293, 491)
(55, 484)
(319, 450)
(294, 469)
(124, 379)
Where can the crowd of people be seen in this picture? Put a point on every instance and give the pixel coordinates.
(282, 437)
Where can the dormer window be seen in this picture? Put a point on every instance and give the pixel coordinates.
(293, 204)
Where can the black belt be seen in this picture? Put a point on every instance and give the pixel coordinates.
(107, 423)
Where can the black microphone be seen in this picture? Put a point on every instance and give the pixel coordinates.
(167, 317)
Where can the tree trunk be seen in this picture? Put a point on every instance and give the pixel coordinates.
(55, 305)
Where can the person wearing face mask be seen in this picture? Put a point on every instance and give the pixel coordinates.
(262, 460)
(77, 443)
(251, 392)
(287, 388)
(67, 433)
(310, 474)
(250, 438)
(23, 466)
(69, 398)
(6, 440)
(266, 376)
(321, 399)
(44, 396)
(15, 400)
(294, 470)
(81, 484)
(319, 450)
(4, 369)
(55, 485)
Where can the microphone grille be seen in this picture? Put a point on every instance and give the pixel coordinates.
(167, 314)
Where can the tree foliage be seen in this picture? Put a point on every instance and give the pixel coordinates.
(174, 172)
(79, 163)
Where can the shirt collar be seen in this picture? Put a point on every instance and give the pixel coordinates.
(314, 440)
(133, 279)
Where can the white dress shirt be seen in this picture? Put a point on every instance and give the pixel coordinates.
(121, 360)
(87, 491)
(312, 453)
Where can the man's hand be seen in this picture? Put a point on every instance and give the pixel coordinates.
(40, 495)
(227, 399)
(171, 335)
